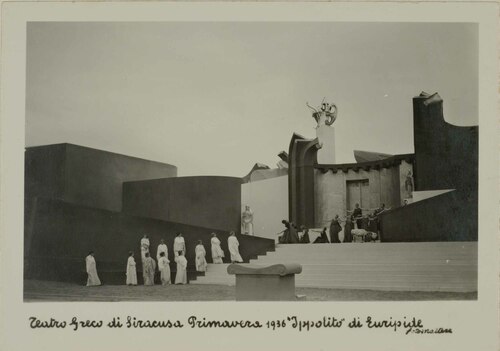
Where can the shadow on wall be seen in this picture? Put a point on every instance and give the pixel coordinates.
(446, 217)
(446, 157)
(206, 201)
(59, 235)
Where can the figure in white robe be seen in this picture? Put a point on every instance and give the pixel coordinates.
(161, 248)
(181, 275)
(233, 245)
(164, 267)
(144, 247)
(179, 244)
(217, 253)
(148, 270)
(247, 221)
(93, 278)
(131, 270)
(201, 262)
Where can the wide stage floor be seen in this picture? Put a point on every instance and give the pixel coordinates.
(39, 291)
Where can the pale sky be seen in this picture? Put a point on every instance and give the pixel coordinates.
(215, 98)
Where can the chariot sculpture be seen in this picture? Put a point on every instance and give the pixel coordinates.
(326, 113)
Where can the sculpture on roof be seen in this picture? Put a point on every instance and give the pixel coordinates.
(324, 114)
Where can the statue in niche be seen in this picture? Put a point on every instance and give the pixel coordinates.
(247, 221)
(324, 114)
(409, 184)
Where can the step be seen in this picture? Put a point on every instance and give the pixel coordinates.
(391, 287)
(316, 261)
(379, 266)
(362, 276)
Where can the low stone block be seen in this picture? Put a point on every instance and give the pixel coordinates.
(271, 283)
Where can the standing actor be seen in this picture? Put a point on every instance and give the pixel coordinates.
(217, 253)
(161, 248)
(200, 254)
(164, 267)
(335, 229)
(93, 278)
(181, 275)
(233, 245)
(148, 270)
(179, 244)
(131, 270)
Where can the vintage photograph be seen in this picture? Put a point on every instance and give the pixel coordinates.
(251, 161)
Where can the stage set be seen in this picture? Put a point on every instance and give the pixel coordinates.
(408, 222)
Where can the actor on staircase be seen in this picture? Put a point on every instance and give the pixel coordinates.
(233, 245)
(200, 254)
(217, 253)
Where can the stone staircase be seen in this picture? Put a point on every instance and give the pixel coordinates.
(428, 266)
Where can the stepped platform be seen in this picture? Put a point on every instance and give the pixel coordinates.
(431, 266)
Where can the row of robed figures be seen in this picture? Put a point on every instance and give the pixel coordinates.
(355, 225)
(149, 265)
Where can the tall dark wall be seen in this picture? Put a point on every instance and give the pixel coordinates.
(446, 155)
(86, 176)
(206, 201)
(62, 235)
(440, 218)
(44, 171)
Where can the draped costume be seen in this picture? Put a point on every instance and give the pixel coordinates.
(148, 271)
(144, 248)
(233, 245)
(335, 229)
(347, 231)
(305, 237)
(164, 267)
(357, 215)
(181, 274)
(201, 261)
(131, 271)
(322, 239)
(179, 245)
(294, 236)
(290, 235)
(161, 248)
(217, 253)
(93, 278)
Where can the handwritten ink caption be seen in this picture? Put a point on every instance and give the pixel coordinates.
(406, 325)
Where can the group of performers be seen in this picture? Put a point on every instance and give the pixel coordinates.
(179, 247)
(295, 235)
(357, 227)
